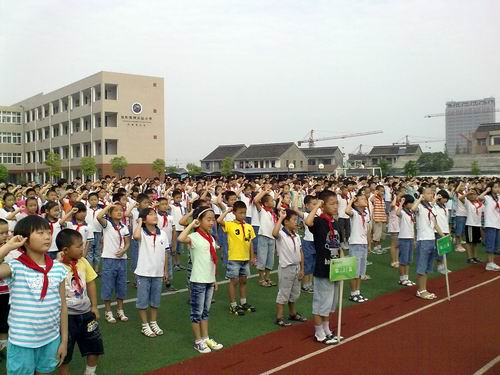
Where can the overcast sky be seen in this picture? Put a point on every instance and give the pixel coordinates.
(259, 71)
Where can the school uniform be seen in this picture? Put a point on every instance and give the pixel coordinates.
(406, 236)
(344, 221)
(95, 248)
(460, 216)
(308, 249)
(491, 223)
(290, 257)
(267, 243)
(178, 211)
(426, 240)
(83, 229)
(473, 222)
(55, 228)
(443, 221)
(358, 241)
(166, 224)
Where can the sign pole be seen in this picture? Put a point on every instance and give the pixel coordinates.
(446, 277)
(339, 320)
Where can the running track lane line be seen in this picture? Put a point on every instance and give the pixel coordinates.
(487, 366)
(370, 330)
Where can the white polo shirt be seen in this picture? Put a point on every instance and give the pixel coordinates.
(83, 229)
(166, 224)
(308, 236)
(359, 228)
(91, 219)
(151, 257)
(474, 213)
(491, 212)
(342, 207)
(288, 248)
(406, 225)
(178, 212)
(266, 224)
(442, 218)
(55, 228)
(113, 238)
(426, 222)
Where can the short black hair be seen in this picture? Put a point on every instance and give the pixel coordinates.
(66, 238)
(176, 192)
(308, 198)
(229, 194)
(80, 206)
(326, 194)
(3, 222)
(93, 195)
(141, 198)
(30, 224)
(290, 214)
(49, 206)
(238, 205)
(444, 194)
(409, 198)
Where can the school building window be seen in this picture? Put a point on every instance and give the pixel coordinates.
(14, 138)
(111, 146)
(10, 158)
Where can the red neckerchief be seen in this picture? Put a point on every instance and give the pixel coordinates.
(30, 263)
(271, 211)
(72, 263)
(346, 197)
(292, 236)
(242, 223)
(164, 215)
(330, 221)
(103, 203)
(362, 214)
(285, 206)
(118, 229)
(410, 214)
(151, 234)
(51, 223)
(478, 206)
(94, 211)
(442, 206)
(124, 218)
(428, 207)
(210, 240)
(78, 226)
(497, 201)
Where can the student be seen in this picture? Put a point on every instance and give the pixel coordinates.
(379, 218)
(230, 197)
(460, 218)
(327, 244)
(166, 224)
(52, 213)
(393, 227)
(267, 243)
(36, 284)
(474, 205)
(492, 224)
(178, 211)
(406, 238)
(81, 299)
(95, 246)
(9, 209)
(240, 254)
(308, 249)
(358, 242)
(79, 224)
(443, 221)
(116, 241)
(344, 222)
(291, 267)
(202, 247)
(151, 270)
(426, 240)
(142, 203)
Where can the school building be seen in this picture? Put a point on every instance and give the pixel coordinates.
(101, 116)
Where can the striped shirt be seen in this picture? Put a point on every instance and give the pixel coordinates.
(379, 215)
(34, 323)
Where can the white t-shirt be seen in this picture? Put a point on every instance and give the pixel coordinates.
(266, 223)
(359, 228)
(166, 224)
(387, 194)
(151, 257)
(288, 249)
(342, 206)
(461, 209)
(246, 200)
(442, 218)
(178, 212)
(83, 229)
(491, 212)
(474, 213)
(92, 221)
(255, 215)
(55, 228)
(134, 218)
(426, 222)
(113, 239)
(406, 225)
(308, 236)
(11, 223)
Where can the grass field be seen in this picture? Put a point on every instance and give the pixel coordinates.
(128, 352)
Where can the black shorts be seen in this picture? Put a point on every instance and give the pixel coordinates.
(84, 330)
(472, 234)
(4, 312)
(344, 229)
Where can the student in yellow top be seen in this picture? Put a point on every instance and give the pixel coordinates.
(240, 254)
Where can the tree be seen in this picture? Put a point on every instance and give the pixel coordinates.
(4, 173)
(227, 166)
(118, 165)
(475, 170)
(384, 167)
(193, 169)
(434, 162)
(159, 166)
(411, 168)
(88, 166)
(53, 161)
(171, 169)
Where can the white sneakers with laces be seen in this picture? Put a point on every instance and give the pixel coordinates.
(491, 266)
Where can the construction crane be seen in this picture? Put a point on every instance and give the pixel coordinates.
(407, 141)
(311, 140)
(444, 114)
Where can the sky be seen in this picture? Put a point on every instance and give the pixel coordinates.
(261, 71)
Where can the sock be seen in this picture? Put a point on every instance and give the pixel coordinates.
(203, 339)
(402, 278)
(90, 370)
(233, 304)
(319, 332)
(326, 328)
(406, 277)
(243, 301)
(197, 342)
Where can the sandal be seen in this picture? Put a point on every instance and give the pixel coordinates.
(264, 283)
(270, 283)
(282, 323)
(147, 331)
(424, 294)
(366, 277)
(297, 318)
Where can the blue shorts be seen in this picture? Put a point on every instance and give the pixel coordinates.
(265, 253)
(255, 241)
(237, 268)
(201, 299)
(405, 251)
(361, 253)
(460, 225)
(309, 256)
(113, 278)
(223, 244)
(180, 245)
(95, 249)
(25, 361)
(491, 240)
(425, 256)
(148, 292)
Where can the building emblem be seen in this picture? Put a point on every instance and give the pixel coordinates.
(137, 108)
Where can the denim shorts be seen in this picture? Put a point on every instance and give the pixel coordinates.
(309, 256)
(265, 253)
(113, 278)
(25, 361)
(180, 245)
(491, 240)
(237, 268)
(405, 251)
(460, 225)
(134, 254)
(148, 291)
(95, 249)
(325, 296)
(201, 299)
(361, 254)
(426, 250)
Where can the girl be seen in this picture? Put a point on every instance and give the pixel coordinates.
(116, 241)
(37, 294)
(393, 228)
(152, 267)
(8, 211)
(166, 224)
(406, 238)
(80, 225)
(202, 281)
(492, 224)
(52, 212)
(474, 205)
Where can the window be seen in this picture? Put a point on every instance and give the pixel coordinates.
(311, 162)
(496, 141)
(10, 158)
(207, 165)
(302, 164)
(46, 132)
(40, 134)
(287, 163)
(111, 146)
(154, 84)
(14, 138)
(86, 124)
(86, 149)
(65, 152)
(326, 161)
(76, 126)
(55, 131)
(273, 164)
(76, 151)
(65, 129)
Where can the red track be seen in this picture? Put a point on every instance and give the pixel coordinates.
(452, 338)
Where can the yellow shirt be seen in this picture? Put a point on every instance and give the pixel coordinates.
(238, 242)
(76, 295)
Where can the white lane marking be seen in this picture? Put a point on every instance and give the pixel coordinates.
(360, 334)
(487, 366)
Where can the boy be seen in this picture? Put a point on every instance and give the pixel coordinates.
(240, 252)
(81, 298)
(291, 266)
(95, 248)
(267, 244)
(327, 244)
(230, 197)
(406, 238)
(443, 221)
(379, 218)
(133, 213)
(344, 222)
(178, 211)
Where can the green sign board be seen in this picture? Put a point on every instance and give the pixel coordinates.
(445, 245)
(343, 268)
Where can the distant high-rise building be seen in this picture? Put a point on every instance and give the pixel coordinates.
(462, 120)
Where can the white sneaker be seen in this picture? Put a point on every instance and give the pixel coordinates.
(213, 345)
(202, 347)
(460, 249)
(492, 267)
(442, 269)
(109, 317)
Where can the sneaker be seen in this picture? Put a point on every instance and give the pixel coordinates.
(213, 345)
(236, 310)
(442, 270)
(492, 267)
(333, 335)
(177, 268)
(368, 263)
(470, 260)
(121, 315)
(109, 317)
(477, 260)
(357, 298)
(156, 329)
(331, 340)
(248, 307)
(3, 345)
(202, 347)
(460, 249)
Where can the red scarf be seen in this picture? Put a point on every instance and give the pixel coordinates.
(154, 234)
(478, 206)
(429, 210)
(118, 228)
(242, 223)
(51, 226)
(210, 240)
(292, 236)
(410, 214)
(30, 263)
(164, 216)
(271, 211)
(330, 221)
(362, 214)
(78, 226)
(72, 263)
